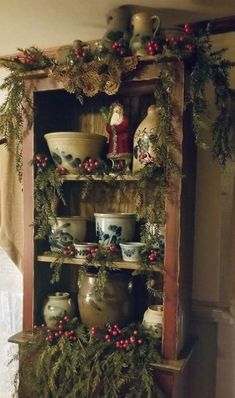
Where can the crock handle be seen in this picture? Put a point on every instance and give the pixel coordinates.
(157, 21)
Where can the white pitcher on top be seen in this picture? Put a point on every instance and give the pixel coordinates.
(145, 27)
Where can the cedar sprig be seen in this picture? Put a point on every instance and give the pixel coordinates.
(92, 365)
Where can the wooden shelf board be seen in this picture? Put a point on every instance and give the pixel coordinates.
(21, 337)
(74, 177)
(49, 258)
(168, 365)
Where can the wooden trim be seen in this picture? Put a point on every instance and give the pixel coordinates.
(219, 25)
(28, 215)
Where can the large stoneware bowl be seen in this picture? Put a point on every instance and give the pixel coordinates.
(67, 231)
(69, 149)
(113, 228)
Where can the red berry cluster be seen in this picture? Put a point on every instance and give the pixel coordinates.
(27, 59)
(153, 47)
(179, 42)
(79, 53)
(90, 165)
(119, 337)
(92, 251)
(62, 170)
(152, 256)
(187, 28)
(69, 251)
(146, 158)
(41, 161)
(111, 249)
(119, 48)
(103, 252)
(63, 328)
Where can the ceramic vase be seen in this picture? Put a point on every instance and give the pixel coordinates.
(145, 27)
(55, 307)
(114, 307)
(144, 136)
(153, 319)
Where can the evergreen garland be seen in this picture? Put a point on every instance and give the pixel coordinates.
(91, 364)
(17, 108)
(208, 66)
(91, 73)
(48, 190)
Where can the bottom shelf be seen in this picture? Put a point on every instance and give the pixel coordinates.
(168, 365)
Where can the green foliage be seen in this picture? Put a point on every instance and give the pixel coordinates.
(91, 366)
(17, 110)
(47, 191)
(211, 67)
(56, 267)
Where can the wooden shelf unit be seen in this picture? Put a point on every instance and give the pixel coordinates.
(58, 110)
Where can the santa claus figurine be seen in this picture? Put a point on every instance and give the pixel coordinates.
(118, 130)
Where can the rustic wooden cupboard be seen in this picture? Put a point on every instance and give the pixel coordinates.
(58, 110)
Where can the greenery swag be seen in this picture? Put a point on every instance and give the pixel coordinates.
(72, 361)
(82, 76)
(112, 368)
(88, 72)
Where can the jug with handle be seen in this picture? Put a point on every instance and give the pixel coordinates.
(117, 26)
(145, 27)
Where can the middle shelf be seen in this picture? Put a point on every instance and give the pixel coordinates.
(48, 258)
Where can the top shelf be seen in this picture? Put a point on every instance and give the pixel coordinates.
(110, 177)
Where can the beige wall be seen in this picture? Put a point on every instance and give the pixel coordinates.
(214, 266)
(212, 261)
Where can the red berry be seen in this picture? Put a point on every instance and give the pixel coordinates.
(132, 339)
(62, 170)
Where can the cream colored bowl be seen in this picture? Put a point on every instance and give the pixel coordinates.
(68, 149)
(67, 231)
(131, 250)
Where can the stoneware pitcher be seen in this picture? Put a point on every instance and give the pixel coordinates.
(145, 27)
(117, 26)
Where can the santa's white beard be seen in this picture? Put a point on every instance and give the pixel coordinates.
(116, 119)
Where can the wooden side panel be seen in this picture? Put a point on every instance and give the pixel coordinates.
(28, 251)
(179, 235)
